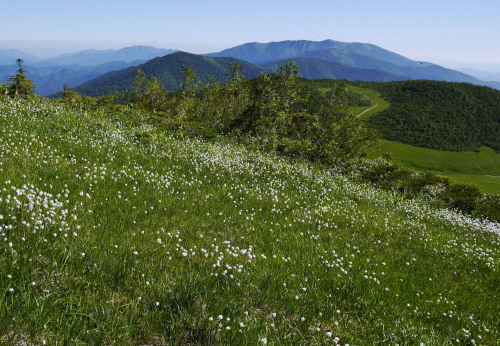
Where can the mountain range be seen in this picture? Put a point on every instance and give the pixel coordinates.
(357, 55)
(94, 57)
(89, 57)
(261, 53)
(74, 69)
(327, 59)
(50, 79)
(9, 56)
(483, 75)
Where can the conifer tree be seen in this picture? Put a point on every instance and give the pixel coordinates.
(20, 85)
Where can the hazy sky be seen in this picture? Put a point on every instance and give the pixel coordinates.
(453, 33)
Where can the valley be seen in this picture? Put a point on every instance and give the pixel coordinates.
(479, 168)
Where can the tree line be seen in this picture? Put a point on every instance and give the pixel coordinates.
(271, 112)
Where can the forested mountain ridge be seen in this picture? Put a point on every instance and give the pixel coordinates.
(322, 69)
(169, 70)
(260, 53)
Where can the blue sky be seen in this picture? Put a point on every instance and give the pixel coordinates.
(458, 33)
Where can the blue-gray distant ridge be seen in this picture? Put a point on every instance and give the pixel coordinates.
(356, 55)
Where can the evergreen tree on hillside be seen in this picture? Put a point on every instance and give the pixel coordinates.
(150, 94)
(69, 95)
(275, 99)
(20, 85)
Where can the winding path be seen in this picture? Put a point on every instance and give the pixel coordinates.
(369, 109)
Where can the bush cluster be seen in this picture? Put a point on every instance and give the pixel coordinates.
(270, 112)
(387, 173)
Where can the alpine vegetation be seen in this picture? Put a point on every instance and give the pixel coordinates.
(113, 230)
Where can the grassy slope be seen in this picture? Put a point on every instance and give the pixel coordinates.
(113, 232)
(481, 169)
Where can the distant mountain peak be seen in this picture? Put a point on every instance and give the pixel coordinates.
(92, 57)
(259, 53)
(359, 55)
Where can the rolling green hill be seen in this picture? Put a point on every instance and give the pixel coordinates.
(169, 70)
(114, 231)
(439, 115)
(478, 168)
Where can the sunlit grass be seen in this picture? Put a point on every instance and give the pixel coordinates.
(114, 232)
(481, 169)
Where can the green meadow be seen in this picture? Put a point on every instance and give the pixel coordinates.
(114, 231)
(479, 168)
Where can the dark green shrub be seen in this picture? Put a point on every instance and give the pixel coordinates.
(488, 206)
(461, 196)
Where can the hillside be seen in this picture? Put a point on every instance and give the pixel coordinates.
(169, 70)
(439, 115)
(114, 231)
